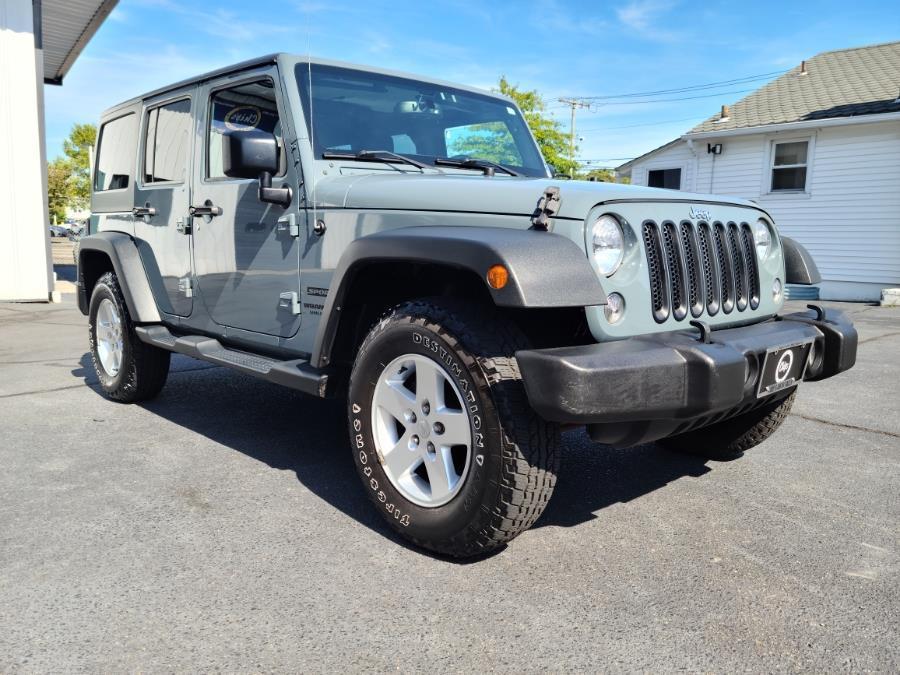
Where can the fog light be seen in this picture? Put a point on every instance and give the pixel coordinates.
(776, 288)
(614, 307)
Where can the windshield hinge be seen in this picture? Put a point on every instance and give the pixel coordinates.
(547, 207)
(289, 300)
(186, 286)
(289, 224)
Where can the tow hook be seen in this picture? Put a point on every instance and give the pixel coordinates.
(705, 331)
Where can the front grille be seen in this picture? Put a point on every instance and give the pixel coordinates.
(700, 267)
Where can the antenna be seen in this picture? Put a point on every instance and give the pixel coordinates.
(312, 126)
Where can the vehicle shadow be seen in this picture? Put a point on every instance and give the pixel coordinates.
(289, 431)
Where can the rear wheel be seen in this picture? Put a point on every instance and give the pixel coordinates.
(129, 370)
(444, 440)
(732, 437)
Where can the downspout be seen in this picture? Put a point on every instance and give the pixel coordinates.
(690, 144)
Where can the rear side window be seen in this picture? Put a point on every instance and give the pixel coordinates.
(115, 156)
(242, 108)
(166, 142)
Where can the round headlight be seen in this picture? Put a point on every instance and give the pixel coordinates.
(762, 239)
(607, 244)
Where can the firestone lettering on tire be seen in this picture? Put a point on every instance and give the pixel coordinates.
(398, 515)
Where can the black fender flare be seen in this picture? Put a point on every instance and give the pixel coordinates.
(126, 262)
(799, 266)
(545, 269)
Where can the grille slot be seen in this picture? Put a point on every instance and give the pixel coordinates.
(751, 264)
(692, 268)
(676, 271)
(659, 282)
(726, 269)
(710, 270)
(740, 268)
(701, 268)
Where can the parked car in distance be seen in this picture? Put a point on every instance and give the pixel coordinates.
(58, 231)
(399, 242)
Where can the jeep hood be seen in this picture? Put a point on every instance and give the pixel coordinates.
(484, 194)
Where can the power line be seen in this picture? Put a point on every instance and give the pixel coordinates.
(694, 87)
(646, 124)
(667, 100)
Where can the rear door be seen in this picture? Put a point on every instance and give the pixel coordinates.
(162, 198)
(246, 252)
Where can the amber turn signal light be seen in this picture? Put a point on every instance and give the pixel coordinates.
(497, 277)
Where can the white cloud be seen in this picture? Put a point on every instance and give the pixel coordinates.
(642, 17)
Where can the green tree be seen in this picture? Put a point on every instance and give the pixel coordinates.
(76, 148)
(552, 140)
(59, 189)
(493, 141)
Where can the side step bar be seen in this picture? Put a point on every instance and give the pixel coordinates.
(296, 374)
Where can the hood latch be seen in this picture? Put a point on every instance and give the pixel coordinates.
(547, 207)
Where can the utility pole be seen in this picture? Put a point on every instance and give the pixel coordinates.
(573, 103)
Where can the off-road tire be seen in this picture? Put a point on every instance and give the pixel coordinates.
(732, 437)
(144, 368)
(512, 478)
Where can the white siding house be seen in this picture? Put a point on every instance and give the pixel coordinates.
(829, 174)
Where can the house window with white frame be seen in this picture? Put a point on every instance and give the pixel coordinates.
(789, 165)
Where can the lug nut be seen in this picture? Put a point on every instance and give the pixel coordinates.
(430, 448)
(426, 407)
(414, 442)
(438, 428)
(410, 417)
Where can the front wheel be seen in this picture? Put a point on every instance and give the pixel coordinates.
(444, 440)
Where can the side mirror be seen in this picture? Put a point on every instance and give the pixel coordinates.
(254, 154)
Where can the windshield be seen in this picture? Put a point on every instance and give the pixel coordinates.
(352, 111)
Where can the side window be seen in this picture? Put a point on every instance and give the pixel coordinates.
(487, 140)
(115, 155)
(242, 108)
(166, 142)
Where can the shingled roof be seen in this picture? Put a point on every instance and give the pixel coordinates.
(842, 83)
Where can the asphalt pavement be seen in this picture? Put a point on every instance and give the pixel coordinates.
(222, 527)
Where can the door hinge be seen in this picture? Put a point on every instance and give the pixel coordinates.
(289, 224)
(186, 286)
(289, 300)
(182, 226)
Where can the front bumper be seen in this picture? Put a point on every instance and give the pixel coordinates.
(651, 386)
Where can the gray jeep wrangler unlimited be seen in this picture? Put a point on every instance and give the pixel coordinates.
(400, 241)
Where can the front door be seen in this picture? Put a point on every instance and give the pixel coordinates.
(246, 252)
(162, 199)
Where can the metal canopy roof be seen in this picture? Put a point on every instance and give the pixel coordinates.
(66, 26)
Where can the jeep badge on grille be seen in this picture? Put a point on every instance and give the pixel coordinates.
(698, 214)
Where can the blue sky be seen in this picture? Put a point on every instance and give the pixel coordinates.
(559, 47)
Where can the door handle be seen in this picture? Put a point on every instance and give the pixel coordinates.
(208, 209)
(147, 210)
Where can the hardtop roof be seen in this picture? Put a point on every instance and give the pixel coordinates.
(289, 60)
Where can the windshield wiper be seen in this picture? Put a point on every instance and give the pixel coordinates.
(384, 156)
(487, 166)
